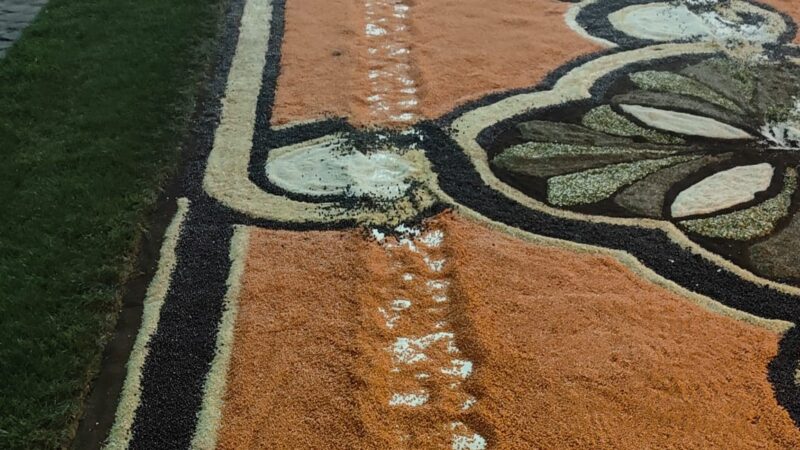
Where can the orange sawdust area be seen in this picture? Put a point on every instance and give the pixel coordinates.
(788, 7)
(571, 350)
(460, 50)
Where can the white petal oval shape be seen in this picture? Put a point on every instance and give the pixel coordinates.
(326, 167)
(684, 123)
(723, 190)
(659, 21)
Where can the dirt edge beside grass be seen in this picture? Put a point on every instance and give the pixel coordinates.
(107, 379)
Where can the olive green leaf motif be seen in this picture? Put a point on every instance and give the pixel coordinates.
(712, 145)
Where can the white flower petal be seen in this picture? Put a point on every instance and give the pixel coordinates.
(684, 123)
(658, 22)
(723, 190)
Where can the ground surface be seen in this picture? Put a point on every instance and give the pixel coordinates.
(469, 225)
(94, 99)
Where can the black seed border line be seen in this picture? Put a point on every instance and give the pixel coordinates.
(182, 346)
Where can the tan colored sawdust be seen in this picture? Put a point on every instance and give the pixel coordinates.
(570, 350)
(577, 352)
(460, 50)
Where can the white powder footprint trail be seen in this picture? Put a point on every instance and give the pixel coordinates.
(392, 97)
(438, 346)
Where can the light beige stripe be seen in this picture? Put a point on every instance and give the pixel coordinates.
(210, 416)
(120, 434)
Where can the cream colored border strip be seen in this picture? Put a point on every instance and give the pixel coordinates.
(576, 85)
(210, 417)
(632, 263)
(120, 433)
(571, 18)
(226, 177)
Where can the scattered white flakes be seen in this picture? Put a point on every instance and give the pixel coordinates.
(405, 117)
(410, 90)
(374, 30)
(408, 103)
(460, 368)
(378, 235)
(391, 320)
(405, 229)
(468, 403)
(436, 285)
(401, 304)
(375, 98)
(398, 51)
(408, 276)
(409, 244)
(472, 442)
(372, 50)
(451, 347)
(440, 298)
(440, 324)
(411, 350)
(433, 239)
(422, 375)
(435, 265)
(406, 81)
(413, 399)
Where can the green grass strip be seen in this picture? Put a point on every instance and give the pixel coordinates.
(94, 102)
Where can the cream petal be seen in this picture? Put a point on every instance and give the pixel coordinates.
(659, 22)
(683, 123)
(723, 190)
(327, 167)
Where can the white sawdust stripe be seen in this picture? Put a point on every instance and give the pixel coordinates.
(392, 95)
(120, 433)
(210, 416)
(408, 352)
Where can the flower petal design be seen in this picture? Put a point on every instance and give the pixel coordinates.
(605, 119)
(328, 166)
(544, 131)
(748, 223)
(594, 185)
(646, 197)
(544, 159)
(723, 190)
(659, 22)
(678, 84)
(684, 123)
(732, 80)
(776, 256)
